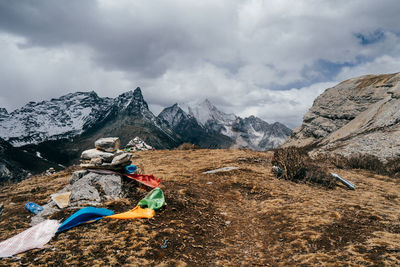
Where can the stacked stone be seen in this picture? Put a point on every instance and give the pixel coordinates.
(105, 155)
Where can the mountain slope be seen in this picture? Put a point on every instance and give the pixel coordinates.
(16, 164)
(360, 115)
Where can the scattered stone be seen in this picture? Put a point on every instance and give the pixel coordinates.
(48, 210)
(95, 153)
(1, 208)
(108, 144)
(224, 169)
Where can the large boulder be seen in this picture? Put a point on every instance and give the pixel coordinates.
(108, 144)
(93, 188)
(86, 189)
(360, 115)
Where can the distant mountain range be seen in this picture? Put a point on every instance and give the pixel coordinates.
(61, 128)
(205, 125)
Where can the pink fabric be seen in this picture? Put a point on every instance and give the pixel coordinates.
(35, 237)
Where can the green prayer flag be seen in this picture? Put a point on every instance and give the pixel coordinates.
(154, 200)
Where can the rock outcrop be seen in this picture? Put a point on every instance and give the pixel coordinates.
(359, 115)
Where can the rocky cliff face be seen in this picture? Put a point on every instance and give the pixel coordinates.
(360, 115)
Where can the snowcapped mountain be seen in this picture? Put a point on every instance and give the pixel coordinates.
(191, 131)
(64, 117)
(249, 132)
(71, 115)
(205, 111)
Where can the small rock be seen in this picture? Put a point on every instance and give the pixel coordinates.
(95, 153)
(108, 144)
(124, 158)
(224, 169)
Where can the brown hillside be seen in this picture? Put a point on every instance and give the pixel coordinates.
(242, 217)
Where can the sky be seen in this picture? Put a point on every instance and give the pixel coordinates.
(267, 58)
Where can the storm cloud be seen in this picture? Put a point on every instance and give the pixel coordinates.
(263, 58)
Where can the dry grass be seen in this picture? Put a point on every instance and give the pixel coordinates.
(242, 217)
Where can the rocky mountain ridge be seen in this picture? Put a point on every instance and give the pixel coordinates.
(204, 118)
(359, 115)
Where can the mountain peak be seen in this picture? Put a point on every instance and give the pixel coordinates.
(138, 92)
(3, 111)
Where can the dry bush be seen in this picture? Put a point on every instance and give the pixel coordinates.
(393, 167)
(187, 146)
(366, 162)
(296, 165)
(359, 161)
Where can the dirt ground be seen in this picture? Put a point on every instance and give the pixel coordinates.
(244, 217)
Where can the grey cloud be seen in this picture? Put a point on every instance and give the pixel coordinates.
(244, 55)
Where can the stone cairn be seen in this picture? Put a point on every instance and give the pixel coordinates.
(137, 144)
(106, 155)
(90, 188)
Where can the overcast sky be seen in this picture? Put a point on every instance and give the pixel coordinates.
(264, 58)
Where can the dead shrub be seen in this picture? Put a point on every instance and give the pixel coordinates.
(359, 161)
(367, 162)
(393, 167)
(297, 166)
(187, 146)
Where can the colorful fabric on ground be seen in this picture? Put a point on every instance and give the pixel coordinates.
(145, 179)
(137, 212)
(148, 180)
(155, 200)
(85, 215)
(34, 237)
